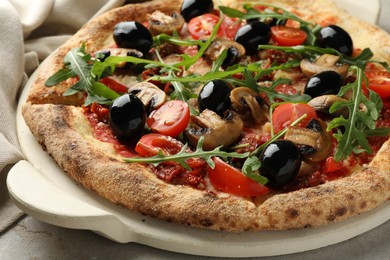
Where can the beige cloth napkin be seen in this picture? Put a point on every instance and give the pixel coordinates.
(29, 32)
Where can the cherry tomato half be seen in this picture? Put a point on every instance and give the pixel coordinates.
(226, 178)
(114, 85)
(229, 27)
(379, 81)
(170, 119)
(151, 144)
(287, 36)
(202, 25)
(287, 113)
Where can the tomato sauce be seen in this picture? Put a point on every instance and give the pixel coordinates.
(97, 116)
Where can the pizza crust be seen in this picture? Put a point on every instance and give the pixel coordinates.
(65, 134)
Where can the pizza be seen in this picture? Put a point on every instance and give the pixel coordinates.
(268, 115)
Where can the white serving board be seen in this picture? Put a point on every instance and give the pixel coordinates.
(41, 189)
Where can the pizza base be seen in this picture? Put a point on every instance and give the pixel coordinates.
(61, 128)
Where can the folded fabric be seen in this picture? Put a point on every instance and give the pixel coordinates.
(29, 32)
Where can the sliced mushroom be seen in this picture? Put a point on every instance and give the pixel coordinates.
(151, 95)
(160, 22)
(216, 130)
(118, 52)
(235, 51)
(314, 141)
(324, 102)
(245, 101)
(324, 63)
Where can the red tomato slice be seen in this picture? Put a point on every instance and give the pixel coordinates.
(287, 113)
(287, 36)
(152, 144)
(202, 25)
(379, 81)
(229, 27)
(226, 178)
(114, 85)
(170, 119)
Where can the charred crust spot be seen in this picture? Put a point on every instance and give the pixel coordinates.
(307, 226)
(341, 211)
(292, 213)
(363, 205)
(350, 197)
(206, 222)
(331, 217)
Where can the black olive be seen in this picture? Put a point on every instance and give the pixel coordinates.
(192, 8)
(127, 117)
(102, 55)
(324, 83)
(214, 96)
(232, 57)
(306, 150)
(252, 35)
(280, 162)
(314, 125)
(133, 35)
(335, 37)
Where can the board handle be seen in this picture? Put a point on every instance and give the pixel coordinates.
(38, 197)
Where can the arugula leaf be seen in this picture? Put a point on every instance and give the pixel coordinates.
(353, 137)
(183, 155)
(275, 12)
(59, 76)
(313, 50)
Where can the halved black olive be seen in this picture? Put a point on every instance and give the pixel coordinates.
(280, 162)
(192, 8)
(335, 37)
(232, 57)
(214, 96)
(252, 35)
(133, 35)
(127, 117)
(324, 83)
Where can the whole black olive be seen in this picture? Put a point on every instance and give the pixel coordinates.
(127, 117)
(133, 35)
(214, 96)
(192, 8)
(280, 162)
(324, 83)
(252, 35)
(335, 37)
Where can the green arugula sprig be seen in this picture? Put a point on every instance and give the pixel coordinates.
(278, 13)
(360, 122)
(183, 155)
(78, 63)
(311, 51)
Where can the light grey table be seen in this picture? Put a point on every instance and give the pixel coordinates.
(32, 239)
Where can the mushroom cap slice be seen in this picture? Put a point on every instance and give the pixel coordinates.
(324, 102)
(151, 95)
(217, 131)
(160, 22)
(323, 63)
(245, 102)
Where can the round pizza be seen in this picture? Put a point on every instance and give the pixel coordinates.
(234, 116)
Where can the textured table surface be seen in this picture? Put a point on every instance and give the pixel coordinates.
(32, 239)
